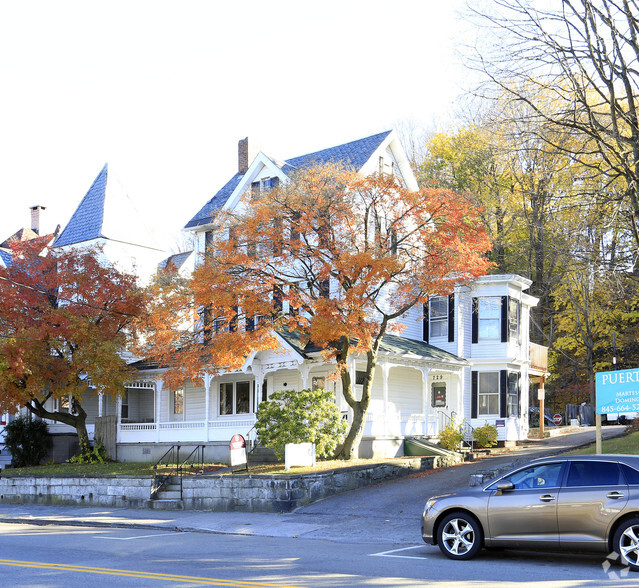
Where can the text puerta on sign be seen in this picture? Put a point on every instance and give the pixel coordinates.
(617, 391)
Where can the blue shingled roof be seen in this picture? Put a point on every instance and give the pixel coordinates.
(86, 222)
(353, 155)
(206, 212)
(5, 256)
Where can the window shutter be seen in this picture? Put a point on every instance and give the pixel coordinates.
(475, 321)
(519, 394)
(234, 319)
(250, 324)
(278, 297)
(474, 394)
(426, 323)
(451, 318)
(504, 319)
(503, 393)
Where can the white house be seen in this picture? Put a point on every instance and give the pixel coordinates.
(466, 356)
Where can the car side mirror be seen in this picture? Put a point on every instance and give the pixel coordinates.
(505, 486)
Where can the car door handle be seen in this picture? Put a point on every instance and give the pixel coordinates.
(546, 497)
(615, 494)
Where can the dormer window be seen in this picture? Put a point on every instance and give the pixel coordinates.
(264, 185)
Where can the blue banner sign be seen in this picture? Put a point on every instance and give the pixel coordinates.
(617, 391)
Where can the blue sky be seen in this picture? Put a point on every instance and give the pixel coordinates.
(162, 91)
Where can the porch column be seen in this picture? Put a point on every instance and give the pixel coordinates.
(305, 370)
(159, 384)
(100, 400)
(460, 391)
(207, 402)
(385, 373)
(425, 373)
(118, 416)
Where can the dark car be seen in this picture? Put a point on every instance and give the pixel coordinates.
(576, 503)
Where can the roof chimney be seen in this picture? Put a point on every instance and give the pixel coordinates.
(35, 218)
(242, 156)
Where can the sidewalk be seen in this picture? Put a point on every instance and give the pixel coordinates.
(388, 512)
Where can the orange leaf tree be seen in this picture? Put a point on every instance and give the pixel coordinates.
(331, 255)
(65, 319)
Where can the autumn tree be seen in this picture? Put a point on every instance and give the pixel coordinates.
(333, 256)
(65, 319)
(581, 55)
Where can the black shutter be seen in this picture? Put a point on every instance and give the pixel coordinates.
(278, 298)
(426, 323)
(503, 393)
(504, 319)
(250, 324)
(474, 394)
(451, 318)
(234, 319)
(475, 321)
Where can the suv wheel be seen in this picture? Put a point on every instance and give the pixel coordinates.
(626, 543)
(460, 536)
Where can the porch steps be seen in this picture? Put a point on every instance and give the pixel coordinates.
(169, 498)
(261, 455)
(418, 446)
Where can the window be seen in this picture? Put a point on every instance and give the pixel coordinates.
(439, 316)
(125, 405)
(514, 308)
(360, 377)
(513, 394)
(545, 475)
(178, 401)
(594, 473)
(438, 396)
(631, 475)
(319, 383)
(489, 309)
(488, 393)
(235, 398)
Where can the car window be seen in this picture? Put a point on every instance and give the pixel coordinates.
(544, 475)
(594, 473)
(631, 474)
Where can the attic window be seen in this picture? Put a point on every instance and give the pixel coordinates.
(264, 185)
(359, 378)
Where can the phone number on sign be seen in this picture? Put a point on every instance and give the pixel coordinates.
(634, 407)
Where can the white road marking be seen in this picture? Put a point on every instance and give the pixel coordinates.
(137, 537)
(393, 551)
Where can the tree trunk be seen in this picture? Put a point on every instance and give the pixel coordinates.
(78, 420)
(350, 446)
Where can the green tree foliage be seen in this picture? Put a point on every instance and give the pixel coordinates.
(28, 440)
(307, 416)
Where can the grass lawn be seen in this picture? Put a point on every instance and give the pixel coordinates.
(93, 469)
(626, 444)
(146, 469)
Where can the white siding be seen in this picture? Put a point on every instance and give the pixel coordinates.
(194, 403)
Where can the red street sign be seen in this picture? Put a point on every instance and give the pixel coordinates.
(237, 442)
(557, 418)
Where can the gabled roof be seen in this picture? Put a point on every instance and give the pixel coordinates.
(353, 155)
(206, 212)
(24, 234)
(177, 260)
(106, 212)
(5, 258)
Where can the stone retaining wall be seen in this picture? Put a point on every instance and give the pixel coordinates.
(229, 492)
(120, 491)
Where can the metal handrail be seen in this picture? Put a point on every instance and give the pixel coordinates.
(199, 449)
(173, 453)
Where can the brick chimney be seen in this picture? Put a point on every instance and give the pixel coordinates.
(242, 156)
(35, 218)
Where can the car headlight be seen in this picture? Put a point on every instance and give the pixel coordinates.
(430, 503)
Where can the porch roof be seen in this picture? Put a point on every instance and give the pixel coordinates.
(391, 345)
